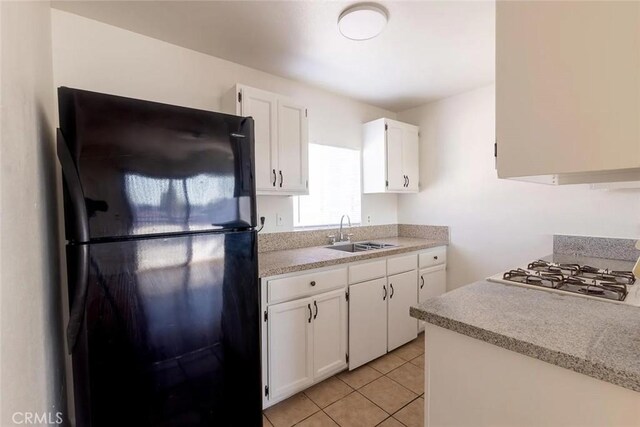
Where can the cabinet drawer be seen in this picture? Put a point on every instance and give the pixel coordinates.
(367, 271)
(435, 256)
(305, 284)
(401, 264)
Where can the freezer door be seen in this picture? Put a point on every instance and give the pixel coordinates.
(170, 335)
(146, 168)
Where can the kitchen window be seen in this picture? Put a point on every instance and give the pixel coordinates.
(334, 187)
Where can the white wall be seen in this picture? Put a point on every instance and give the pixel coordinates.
(91, 55)
(31, 355)
(496, 224)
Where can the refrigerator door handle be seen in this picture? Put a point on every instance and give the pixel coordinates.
(77, 304)
(72, 179)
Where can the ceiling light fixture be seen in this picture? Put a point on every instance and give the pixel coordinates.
(363, 21)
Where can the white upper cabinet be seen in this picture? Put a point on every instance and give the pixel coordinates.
(281, 139)
(568, 91)
(390, 157)
(293, 147)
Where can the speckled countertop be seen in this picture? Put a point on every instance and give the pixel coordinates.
(595, 338)
(288, 261)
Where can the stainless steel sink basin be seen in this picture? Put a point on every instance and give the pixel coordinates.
(360, 246)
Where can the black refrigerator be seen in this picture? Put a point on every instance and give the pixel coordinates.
(161, 250)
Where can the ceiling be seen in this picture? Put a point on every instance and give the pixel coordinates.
(429, 49)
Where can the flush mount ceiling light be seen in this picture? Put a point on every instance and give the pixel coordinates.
(363, 21)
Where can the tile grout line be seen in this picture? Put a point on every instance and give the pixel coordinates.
(309, 416)
(401, 385)
(409, 403)
(395, 419)
(320, 409)
(373, 403)
(330, 417)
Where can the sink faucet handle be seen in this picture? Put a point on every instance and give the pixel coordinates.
(332, 238)
(349, 235)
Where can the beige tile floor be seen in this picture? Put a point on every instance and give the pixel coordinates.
(386, 392)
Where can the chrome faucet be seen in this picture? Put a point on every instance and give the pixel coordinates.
(341, 235)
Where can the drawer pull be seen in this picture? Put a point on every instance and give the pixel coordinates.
(313, 283)
(435, 257)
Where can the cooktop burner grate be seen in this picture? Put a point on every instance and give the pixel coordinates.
(574, 278)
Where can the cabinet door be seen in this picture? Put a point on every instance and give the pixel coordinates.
(293, 140)
(431, 283)
(411, 158)
(329, 332)
(262, 106)
(395, 173)
(367, 321)
(572, 90)
(290, 347)
(403, 293)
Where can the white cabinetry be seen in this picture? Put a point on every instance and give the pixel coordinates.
(281, 139)
(432, 278)
(379, 318)
(318, 322)
(568, 91)
(432, 282)
(304, 333)
(329, 333)
(367, 321)
(307, 340)
(390, 157)
(290, 347)
(402, 295)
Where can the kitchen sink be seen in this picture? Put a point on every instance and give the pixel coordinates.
(360, 247)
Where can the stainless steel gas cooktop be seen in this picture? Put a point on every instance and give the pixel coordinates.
(583, 280)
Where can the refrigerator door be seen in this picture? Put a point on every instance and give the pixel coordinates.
(143, 168)
(170, 334)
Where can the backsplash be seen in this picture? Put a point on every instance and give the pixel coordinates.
(306, 238)
(597, 247)
(431, 232)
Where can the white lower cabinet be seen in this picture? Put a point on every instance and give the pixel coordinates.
(367, 321)
(329, 332)
(290, 347)
(312, 328)
(402, 295)
(431, 283)
(307, 341)
(379, 319)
